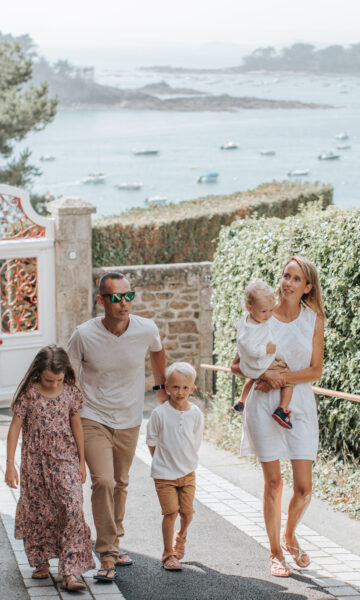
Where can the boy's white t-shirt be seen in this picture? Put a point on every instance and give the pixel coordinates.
(112, 369)
(177, 436)
(251, 341)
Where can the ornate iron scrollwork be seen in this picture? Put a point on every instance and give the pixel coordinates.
(14, 223)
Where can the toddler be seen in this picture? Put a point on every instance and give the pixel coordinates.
(255, 349)
(174, 435)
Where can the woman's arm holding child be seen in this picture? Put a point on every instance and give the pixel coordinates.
(11, 475)
(76, 428)
(275, 379)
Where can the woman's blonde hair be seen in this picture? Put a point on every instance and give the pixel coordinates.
(312, 299)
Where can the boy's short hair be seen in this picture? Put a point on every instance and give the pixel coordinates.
(255, 289)
(182, 367)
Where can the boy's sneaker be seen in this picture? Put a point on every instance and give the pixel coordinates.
(282, 417)
(239, 406)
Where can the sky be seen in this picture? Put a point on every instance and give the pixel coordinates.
(88, 28)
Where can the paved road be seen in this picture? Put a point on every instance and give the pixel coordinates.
(220, 562)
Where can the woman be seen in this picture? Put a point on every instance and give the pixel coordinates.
(297, 329)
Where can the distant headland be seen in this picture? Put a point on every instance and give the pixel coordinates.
(76, 88)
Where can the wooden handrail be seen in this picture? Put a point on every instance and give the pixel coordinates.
(317, 390)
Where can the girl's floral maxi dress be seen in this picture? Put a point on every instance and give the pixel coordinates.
(49, 514)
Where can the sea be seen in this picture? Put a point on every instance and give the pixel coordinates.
(189, 143)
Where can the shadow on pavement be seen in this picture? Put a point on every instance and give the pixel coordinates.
(146, 580)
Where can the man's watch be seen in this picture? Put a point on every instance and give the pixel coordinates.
(158, 387)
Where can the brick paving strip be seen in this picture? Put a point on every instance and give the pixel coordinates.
(44, 589)
(334, 568)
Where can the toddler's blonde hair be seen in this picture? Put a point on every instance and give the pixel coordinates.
(256, 289)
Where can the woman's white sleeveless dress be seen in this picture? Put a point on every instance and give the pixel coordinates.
(262, 435)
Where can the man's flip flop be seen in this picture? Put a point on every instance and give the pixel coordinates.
(123, 563)
(105, 577)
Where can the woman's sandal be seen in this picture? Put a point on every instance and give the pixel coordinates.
(41, 571)
(72, 584)
(105, 577)
(301, 558)
(179, 545)
(279, 568)
(171, 563)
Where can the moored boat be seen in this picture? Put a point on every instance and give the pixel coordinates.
(208, 178)
(47, 157)
(129, 186)
(298, 172)
(145, 151)
(267, 152)
(156, 200)
(94, 178)
(342, 136)
(229, 146)
(328, 156)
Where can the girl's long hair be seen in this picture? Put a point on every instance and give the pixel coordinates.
(312, 299)
(52, 358)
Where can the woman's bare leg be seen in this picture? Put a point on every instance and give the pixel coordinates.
(302, 473)
(273, 485)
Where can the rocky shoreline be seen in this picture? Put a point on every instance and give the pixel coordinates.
(95, 96)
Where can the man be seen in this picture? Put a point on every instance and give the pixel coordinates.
(110, 352)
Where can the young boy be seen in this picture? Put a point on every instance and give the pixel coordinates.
(174, 435)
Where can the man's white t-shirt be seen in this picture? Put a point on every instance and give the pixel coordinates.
(177, 436)
(251, 341)
(112, 369)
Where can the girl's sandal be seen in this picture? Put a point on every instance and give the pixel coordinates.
(171, 563)
(41, 571)
(72, 584)
(301, 558)
(279, 568)
(179, 546)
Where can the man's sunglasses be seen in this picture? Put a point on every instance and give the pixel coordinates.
(129, 296)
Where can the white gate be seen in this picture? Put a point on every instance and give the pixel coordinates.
(27, 287)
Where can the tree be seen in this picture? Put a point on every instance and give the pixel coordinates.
(23, 108)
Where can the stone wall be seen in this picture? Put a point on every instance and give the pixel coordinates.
(177, 297)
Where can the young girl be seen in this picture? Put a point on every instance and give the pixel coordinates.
(49, 516)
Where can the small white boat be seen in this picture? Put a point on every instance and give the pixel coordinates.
(342, 136)
(208, 178)
(145, 152)
(328, 156)
(343, 147)
(267, 152)
(156, 200)
(47, 157)
(229, 146)
(94, 178)
(298, 172)
(129, 186)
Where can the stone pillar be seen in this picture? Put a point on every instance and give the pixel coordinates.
(73, 264)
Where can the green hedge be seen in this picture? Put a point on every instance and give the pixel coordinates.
(251, 249)
(188, 231)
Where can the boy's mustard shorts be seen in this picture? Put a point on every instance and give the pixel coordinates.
(176, 495)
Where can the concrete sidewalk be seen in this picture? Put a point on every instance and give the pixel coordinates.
(227, 551)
